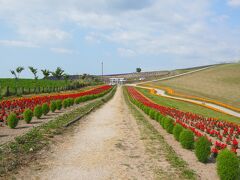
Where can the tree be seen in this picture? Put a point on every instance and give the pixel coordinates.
(138, 70)
(19, 70)
(14, 73)
(66, 78)
(58, 74)
(34, 71)
(46, 73)
(84, 76)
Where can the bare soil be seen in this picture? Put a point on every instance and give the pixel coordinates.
(107, 144)
(7, 134)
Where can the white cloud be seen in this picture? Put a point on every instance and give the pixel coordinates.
(234, 2)
(180, 28)
(17, 43)
(126, 52)
(62, 50)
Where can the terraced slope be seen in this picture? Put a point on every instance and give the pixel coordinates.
(221, 83)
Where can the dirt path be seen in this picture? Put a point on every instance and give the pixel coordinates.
(104, 145)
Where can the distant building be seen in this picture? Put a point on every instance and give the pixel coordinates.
(116, 81)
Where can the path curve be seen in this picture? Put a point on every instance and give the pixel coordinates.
(202, 103)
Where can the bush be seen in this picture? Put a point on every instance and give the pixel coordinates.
(71, 101)
(146, 109)
(202, 149)
(152, 114)
(176, 131)
(53, 106)
(78, 100)
(38, 111)
(12, 120)
(161, 120)
(59, 104)
(45, 108)
(168, 125)
(187, 139)
(27, 115)
(227, 165)
(65, 103)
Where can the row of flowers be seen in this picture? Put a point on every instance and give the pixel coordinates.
(221, 133)
(173, 93)
(18, 106)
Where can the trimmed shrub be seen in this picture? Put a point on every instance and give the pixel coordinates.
(176, 131)
(161, 121)
(28, 115)
(159, 117)
(12, 120)
(169, 125)
(53, 106)
(71, 101)
(65, 103)
(59, 104)
(38, 111)
(78, 100)
(146, 109)
(152, 114)
(227, 165)
(45, 108)
(187, 139)
(156, 115)
(202, 149)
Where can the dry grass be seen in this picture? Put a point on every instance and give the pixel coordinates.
(221, 83)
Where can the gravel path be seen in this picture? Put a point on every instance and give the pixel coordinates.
(106, 144)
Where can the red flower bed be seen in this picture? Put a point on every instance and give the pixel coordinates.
(226, 132)
(19, 105)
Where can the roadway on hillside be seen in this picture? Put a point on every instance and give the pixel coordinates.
(206, 104)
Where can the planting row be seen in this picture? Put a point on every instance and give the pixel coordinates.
(186, 129)
(18, 107)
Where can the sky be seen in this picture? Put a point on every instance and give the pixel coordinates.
(77, 35)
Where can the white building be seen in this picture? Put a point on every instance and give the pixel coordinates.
(115, 81)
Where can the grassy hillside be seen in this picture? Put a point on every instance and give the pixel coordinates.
(221, 83)
(188, 107)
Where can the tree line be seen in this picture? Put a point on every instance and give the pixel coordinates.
(57, 74)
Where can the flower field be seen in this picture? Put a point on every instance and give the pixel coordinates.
(18, 106)
(221, 134)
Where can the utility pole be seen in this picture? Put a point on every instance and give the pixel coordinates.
(102, 71)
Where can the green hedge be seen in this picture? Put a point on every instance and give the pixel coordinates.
(45, 108)
(228, 165)
(168, 124)
(187, 139)
(38, 111)
(12, 120)
(28, 115)
(176, 131)
(202, 149)
(53, 106)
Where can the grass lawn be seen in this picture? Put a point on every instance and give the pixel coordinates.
(188, 107)
(221, 83)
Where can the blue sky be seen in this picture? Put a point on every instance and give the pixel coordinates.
(78, 35)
